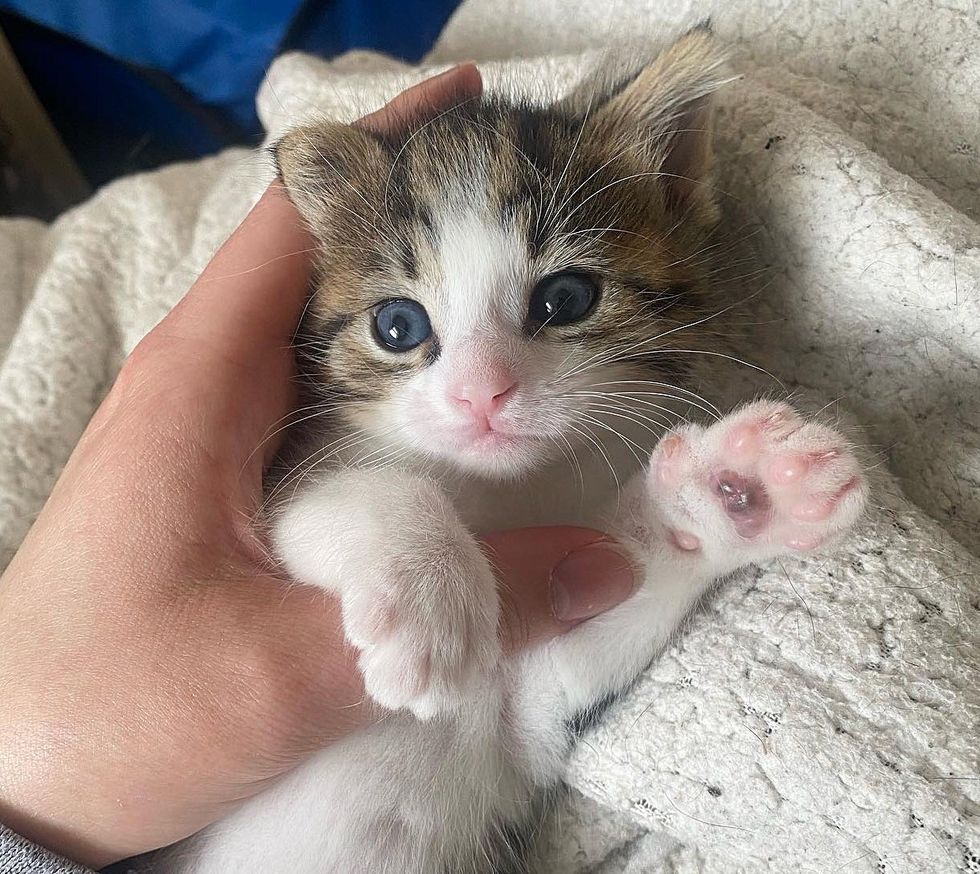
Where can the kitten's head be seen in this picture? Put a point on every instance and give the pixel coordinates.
(490, 282)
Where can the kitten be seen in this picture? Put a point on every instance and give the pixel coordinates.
(507, 299)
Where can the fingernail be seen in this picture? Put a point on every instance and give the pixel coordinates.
(590, 581)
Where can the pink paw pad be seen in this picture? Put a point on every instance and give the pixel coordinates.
(745, 500)
(789, 468)
(780, 423)
(684, 540)
(671, 450)
(819, 510)
(745, 441)
(813, 511)
(804, 544)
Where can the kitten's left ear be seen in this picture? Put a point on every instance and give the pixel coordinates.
(327, 169)
(661, 113)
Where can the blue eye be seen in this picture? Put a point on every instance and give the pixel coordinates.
(401, 325)
(562, 298)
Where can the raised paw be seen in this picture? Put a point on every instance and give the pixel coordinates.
(757, 483)
(426, 628)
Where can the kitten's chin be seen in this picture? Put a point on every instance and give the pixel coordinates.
(500, 455)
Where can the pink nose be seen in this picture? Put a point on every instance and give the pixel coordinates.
(484, 396)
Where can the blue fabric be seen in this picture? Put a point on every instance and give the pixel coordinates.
(403, 28)
(218, 50)
(106, 110)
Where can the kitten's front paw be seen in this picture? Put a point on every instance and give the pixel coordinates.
(758, 483)
(426, 627)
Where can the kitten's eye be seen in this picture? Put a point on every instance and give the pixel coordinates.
(562, 298)
(401, 325)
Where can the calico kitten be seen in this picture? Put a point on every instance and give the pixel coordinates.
(507, 304)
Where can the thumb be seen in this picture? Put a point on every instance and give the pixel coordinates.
(552, 579)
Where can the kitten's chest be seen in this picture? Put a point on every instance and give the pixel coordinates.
(561, 494)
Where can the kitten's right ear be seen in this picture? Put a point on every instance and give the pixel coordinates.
(660, 112)
(332, 172)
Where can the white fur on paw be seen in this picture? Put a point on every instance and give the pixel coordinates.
(761, 481)
(426, 629)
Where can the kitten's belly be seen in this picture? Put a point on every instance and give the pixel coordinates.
(402, 796)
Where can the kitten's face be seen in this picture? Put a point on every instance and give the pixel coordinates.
(490, 285)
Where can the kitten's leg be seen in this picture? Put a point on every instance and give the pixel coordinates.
(419, 598)
(759, 483)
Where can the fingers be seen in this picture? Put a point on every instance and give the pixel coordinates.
(246, 303)
(427, 99)
(552, 579)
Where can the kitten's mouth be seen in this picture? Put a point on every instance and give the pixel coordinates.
(494, 440)
(499, 453)
(491, 440)
(497, 448)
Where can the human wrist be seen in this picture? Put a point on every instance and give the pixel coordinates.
(41, 819)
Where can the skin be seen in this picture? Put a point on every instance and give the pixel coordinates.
(155, 670)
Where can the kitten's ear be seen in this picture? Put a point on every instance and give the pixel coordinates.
(333, 173)
(665, 109)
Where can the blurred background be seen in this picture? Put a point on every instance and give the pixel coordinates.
(94, 89)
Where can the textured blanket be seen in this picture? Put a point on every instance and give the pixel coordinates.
(818, 714)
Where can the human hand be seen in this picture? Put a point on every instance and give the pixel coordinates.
(154, 671)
